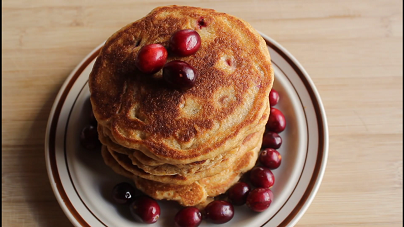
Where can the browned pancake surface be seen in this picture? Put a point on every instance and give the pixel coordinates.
(171, 126)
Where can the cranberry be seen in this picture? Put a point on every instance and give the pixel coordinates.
(202, 23)
(271, 140)
(276, 121)
(145, 209)
(238, 193)
(185, 42)
(151, 58)
(219, 212)
(262, 177)
(270, 158)
(259, 199)
(89, 137)
(123, 193)
(273, 97)
(179, 74)
(92, 119)
(188, 217)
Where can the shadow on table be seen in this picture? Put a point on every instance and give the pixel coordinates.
(39, 196)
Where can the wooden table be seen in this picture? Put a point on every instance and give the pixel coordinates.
(351, 49)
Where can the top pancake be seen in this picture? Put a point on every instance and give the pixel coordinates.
(229, 99)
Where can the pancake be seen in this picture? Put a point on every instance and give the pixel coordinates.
(105, 138)
(190, 145)
(252, 142)
(199, 193)
(227, 103)
(198, 170)
(207, 167)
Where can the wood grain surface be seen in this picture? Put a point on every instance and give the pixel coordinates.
(351, 49)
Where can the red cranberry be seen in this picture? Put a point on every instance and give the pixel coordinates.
(145, 209)
(262, 177)
(270, 158)
(151, 58)
(185, 42)
(188, 217)
(179, 74)
(123, 193)
(259, 199)
(89, 137)
(271, 140)
(202, 23)
(238, 193)
(219, 212)
(276, 122)
(273, 97)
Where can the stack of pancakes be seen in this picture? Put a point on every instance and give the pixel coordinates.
(188, 146)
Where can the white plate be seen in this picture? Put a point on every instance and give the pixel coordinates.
(82, 183)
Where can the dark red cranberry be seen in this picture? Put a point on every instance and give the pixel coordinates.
(151, 58)
(185, 42)
(238, 193)
(145, 209)
(188, 217)
(259, 199)
(262, 177)
(201, 23)
(270, 158)
(179, 74)
(276, 122)
(273, 97)
(271, 140)
(92, 119)
(89, 137)
(219, 212)
(123, 193)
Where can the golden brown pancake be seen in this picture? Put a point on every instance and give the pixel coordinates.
(188, 146)
(252, 142)
(228, 101)
(188, 172)
(195, 194)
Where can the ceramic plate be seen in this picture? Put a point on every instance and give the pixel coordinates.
(82, 183)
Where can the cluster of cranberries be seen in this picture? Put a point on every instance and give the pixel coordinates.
(89, 134)
(143, 208)
(179, 74)
(261, 177)
(256, 194)
(270, 157)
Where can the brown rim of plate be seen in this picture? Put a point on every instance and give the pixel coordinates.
(287, 220)
(52, 140)
(320, 150)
